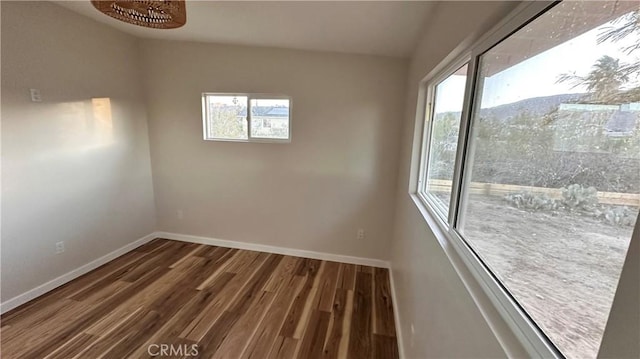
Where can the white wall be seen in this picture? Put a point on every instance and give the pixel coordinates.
(337, 175)
(71, 171)
(430, 293)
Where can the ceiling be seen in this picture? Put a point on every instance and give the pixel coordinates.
(389, 28)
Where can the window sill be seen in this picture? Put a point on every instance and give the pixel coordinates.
(253, 140)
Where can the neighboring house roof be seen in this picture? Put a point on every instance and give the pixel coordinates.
(276, 111)
(621, 122)
(266, 111)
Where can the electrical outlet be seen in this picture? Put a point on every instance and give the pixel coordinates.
(35, 95)
(59, 247)
(360, 234)
(180, 214)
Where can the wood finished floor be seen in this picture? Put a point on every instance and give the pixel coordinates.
(231, 303)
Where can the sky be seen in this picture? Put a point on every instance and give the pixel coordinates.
(537, 75)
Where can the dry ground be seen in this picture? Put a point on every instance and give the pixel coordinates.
(563, 269)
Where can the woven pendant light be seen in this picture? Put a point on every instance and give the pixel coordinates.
(157, 14)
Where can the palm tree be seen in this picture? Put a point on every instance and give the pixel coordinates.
(626, 25)
(604, 80)
(629, 24)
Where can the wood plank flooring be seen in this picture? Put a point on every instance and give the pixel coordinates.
(226, 303)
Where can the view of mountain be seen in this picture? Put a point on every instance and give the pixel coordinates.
(535, 107)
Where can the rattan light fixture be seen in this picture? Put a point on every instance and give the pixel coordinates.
(157, 14)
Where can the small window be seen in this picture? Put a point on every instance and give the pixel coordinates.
(443, 114)
(246, 117)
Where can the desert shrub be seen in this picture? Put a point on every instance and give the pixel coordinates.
(550, 151)
(577, 197)
(532, 201)
(617, 216)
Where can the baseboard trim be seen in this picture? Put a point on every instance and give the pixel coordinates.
(396, 315)
(273, 249)
(67, 277)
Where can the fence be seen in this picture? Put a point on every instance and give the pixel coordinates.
(496, 189)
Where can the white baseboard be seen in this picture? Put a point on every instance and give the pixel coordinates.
(396, 315)
(67, 277)
(273, 249)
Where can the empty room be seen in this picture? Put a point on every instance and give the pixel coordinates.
(320, 179)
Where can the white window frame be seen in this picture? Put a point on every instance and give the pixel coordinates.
(249, 96)
(427, 114)
(498, 307)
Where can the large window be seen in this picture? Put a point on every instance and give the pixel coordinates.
(246, 117)
(549, 179)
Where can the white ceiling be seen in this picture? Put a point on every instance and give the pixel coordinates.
(389, 28)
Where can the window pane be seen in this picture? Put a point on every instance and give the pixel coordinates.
(270, 118)
(553, 182)
(227, 117)
(445, 125)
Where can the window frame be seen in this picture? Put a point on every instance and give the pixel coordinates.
(250, 97)
(428, 109)
(498, 306)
